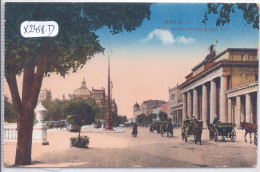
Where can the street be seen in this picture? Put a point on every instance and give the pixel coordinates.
(146, 150)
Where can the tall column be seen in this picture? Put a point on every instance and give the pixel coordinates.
(184, 114)
(229, 111)
(238, 111)
(195, 103)
(177, 116)
(248, 108)
(204, 105)
(223, 99)
(213, 101)
(189, 104)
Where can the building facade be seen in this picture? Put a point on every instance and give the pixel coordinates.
(136, 110)
(223, 85)
(146, 107)
(45, 95)
(175, 105)
(98, 95)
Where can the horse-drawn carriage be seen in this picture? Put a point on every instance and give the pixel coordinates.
(166, 127)
(155, 126)
(222, 129)
(192, 127)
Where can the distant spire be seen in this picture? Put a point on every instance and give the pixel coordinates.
(83, 83)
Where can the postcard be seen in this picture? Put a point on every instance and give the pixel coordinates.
(129, 85)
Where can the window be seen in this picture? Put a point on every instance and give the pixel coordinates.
(172, 96)
(243, 56)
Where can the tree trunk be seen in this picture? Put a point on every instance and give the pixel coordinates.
(25, 107)
(24, 141)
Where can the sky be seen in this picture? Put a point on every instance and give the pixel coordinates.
(155, 56)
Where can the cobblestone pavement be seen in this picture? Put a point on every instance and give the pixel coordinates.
(146, 150)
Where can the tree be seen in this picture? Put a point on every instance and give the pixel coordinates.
(250, 13)
(117, 119)
(151, 117)
(9, 114)
(141, 119)
(75, 44)
(163, 116)
(79, 112)
(55, 110)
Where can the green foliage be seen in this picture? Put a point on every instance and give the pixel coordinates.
(163, 116)
(79, 112)
(141, 119)
(117, 119)
(81, 142)
(151, 117)
(76, 41)
(55, 110)
(9, 113)
(223, 10)
(102, 113)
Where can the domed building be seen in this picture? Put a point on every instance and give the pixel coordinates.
(98, 94)
(83, 91)
(136, 110)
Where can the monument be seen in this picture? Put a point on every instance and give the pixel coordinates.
(40, 129)
(108, 117)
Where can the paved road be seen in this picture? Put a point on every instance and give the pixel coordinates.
(146, 150)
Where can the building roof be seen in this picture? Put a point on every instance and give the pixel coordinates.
(83, 90)
(220, 54)
(137, 106)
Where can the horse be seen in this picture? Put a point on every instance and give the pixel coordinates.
(169, 129)
(249, 128)
(197, 130)
(134, 132)
(157, 127)
(163, 128)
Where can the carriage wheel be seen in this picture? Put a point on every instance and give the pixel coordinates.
(255, 139)
(216, 135)
(233, 135)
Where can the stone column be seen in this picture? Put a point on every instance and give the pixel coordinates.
(229, 111)
(223, 99)
(177, 116)
(248, 108)
(184, 114)
(238, 111)
(195, 103)
(213, 100)
(189, 104)
(204, 105)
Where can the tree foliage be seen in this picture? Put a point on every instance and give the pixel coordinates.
(224, 10)
(141, 119)
(162, 116)
(9, 113)
(55, 110)
(151, 117)
(76, 42)
(79, 112)
(117, 119)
